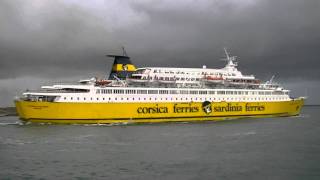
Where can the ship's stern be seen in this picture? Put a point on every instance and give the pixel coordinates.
(20, 109)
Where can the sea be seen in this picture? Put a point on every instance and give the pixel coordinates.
(284, 148)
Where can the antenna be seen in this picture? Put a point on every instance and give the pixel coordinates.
(230, 59)
(124, 51)
(226, 52)
(271, 80)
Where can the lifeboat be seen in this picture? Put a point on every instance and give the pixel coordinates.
(103, 82)
(214, 80)
(243, 82)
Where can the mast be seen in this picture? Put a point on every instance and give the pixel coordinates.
(231, 64)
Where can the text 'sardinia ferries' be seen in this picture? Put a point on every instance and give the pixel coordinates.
(158, 94)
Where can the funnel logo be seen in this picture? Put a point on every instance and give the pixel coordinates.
(125, 67)
(206, 107)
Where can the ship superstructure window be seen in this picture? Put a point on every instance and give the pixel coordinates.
(142, 91)
(193, 92)
(221, 92)
(229, 92)
(106, 91)
(173, 92)
(75, 90)
(152, 91)
(118, 91)
(202, 92)
(183, 92)
(277, 93)
(129, 91)
(212, 92)
(163, 91)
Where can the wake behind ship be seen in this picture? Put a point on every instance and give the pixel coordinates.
(158, 94)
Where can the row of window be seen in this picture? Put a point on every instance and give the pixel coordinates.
(177, 99)
(140, 91)
(191, 73)
(171, 78)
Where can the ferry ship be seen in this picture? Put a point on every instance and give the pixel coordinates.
(158, 94)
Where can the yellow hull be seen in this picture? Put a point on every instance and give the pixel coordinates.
(104, 113)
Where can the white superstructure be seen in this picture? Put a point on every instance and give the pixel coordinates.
(159, 84)
(229, 76)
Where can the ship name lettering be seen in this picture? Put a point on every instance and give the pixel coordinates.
(254, 108)
(152, 110)
(185, 109)
(227, 108)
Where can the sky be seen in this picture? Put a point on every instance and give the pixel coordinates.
(44, 42)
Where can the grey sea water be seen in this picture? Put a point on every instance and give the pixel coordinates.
(266, 148)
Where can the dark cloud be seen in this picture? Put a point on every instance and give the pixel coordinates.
(62, 39)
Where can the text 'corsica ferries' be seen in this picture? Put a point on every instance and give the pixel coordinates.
(158, 94)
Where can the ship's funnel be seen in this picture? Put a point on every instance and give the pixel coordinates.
(122, 67)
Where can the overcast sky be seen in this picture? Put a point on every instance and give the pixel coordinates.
(45, 41)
